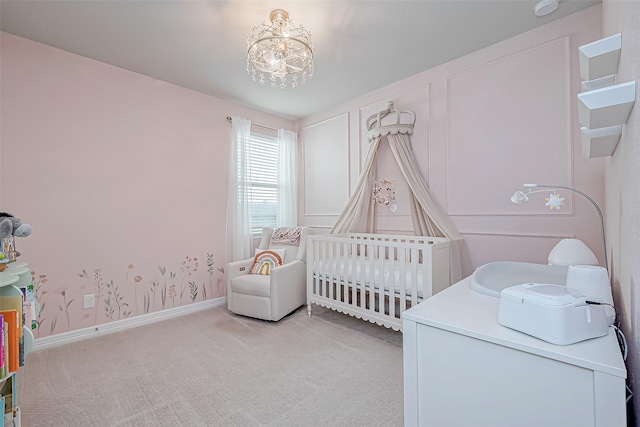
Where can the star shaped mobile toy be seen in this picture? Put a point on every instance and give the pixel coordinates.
(554, 201)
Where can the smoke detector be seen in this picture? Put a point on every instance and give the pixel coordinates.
(545, 7)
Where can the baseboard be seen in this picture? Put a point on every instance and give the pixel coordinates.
(122, 324)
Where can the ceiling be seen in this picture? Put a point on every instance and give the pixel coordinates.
(201, 45)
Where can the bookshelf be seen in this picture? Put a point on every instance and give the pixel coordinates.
(15, 282)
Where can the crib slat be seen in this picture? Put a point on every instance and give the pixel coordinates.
(370, 283)
(363, 279)
(402, 262)
(425, 267)
(393, 297)
(324, 278)
(351, 278)
(331, 254)
(414, 277)
(380, 259)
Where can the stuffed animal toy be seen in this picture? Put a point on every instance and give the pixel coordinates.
(11, 226)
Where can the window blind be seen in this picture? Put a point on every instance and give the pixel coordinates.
(263, 181)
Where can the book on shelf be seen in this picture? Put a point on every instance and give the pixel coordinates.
(3, 367)
(5, 350)
(28, 307)
(21, 351)
(12, 319)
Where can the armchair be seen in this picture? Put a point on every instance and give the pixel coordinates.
(270, 297)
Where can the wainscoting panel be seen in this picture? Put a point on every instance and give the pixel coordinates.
(326, 166)
(509, 123)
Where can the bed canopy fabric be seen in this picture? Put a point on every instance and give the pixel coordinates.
(427, 216)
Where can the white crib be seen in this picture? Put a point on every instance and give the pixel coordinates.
(375, 277)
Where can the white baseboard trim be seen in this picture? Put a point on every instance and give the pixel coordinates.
(122, 324)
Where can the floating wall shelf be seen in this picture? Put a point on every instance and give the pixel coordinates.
(608, 106)
(600, 142)
(604, 106)
(600, 58)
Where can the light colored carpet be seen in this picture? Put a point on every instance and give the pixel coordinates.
(213, 368)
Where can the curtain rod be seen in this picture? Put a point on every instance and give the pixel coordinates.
(253, 124)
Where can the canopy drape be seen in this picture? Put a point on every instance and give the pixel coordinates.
(427, 216)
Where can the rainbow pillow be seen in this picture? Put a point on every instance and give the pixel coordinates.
(264, 261)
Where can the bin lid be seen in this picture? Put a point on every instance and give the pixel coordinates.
(542, 293)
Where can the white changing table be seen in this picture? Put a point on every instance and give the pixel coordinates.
(462, 368)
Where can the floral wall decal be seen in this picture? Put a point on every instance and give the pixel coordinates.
(172, 294)
(193, 289)
(65, 306)
(133, 295)
(188, 267)
(114, 301)
(211, 270)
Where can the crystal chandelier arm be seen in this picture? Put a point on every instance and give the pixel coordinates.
(586, 196)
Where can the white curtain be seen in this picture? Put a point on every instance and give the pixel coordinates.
(287, 215)
(239, 241)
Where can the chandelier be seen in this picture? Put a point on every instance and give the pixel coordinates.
(280, 52)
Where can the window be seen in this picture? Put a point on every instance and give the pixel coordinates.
(262, 181)
(262, 185)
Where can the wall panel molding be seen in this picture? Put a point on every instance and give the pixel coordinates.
(326, 166)
(518, 235)
(509, 122)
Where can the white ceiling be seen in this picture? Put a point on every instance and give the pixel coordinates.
(201, 45)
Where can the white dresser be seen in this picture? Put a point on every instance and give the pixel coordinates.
(462, 368)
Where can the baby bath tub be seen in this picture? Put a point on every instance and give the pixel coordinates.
(490, 279)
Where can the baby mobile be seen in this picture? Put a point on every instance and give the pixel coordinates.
(384, 193)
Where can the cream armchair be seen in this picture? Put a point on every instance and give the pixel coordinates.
(273, 296)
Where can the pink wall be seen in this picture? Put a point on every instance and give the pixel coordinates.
(123, 179)
(486, 123)
(492, 120)
(623, 190)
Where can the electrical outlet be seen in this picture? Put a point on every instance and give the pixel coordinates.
(89, 301)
